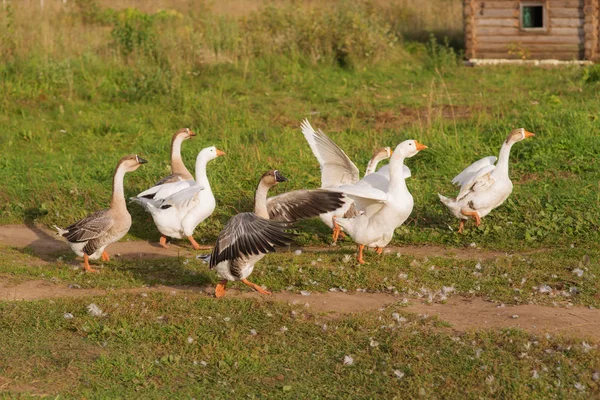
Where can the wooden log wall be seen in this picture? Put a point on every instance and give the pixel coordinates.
(470, 32)
(571, 30)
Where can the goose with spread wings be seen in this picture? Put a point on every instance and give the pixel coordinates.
(89, 237)
(337, 169)
(249, 236)
(383, 204)
(484, 185)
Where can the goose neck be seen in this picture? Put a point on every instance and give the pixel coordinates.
(260, 200)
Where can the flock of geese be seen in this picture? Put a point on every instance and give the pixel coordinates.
(368, 209)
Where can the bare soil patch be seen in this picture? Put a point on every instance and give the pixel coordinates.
(464, 314)
(44, 242)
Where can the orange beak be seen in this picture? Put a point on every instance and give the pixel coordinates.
(529, 134)
(391, 152)
(220, 153)
(192, 133)
(420, 146)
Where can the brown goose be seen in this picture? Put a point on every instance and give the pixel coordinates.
(179, 172)
(89, 237)
(249, 236)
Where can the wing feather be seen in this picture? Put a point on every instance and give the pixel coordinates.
(336, 166)
(471, 171)
(300, 204)
(247, 234)
(89, 228)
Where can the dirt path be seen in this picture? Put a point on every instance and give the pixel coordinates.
(45, 242)
(464, 314)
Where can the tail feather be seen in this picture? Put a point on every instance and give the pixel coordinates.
(445, 199)
(61, 231)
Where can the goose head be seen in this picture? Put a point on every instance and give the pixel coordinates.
(272, 178)
(184, 134)
(131, 162)
(209, 153)
(382, 154)
(407, 149)
(516, 135)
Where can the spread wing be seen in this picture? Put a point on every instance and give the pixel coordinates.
(165, 190)
(89, 228)
(480, 181)
(366, 199)
(472, 170)
(170, 179)
(248, 234)
(185, 198)
(299, 204)
(336, 168)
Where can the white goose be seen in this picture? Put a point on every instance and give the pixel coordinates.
(483, 185)
(337, 169)
(249, 236)
(382, 208)
(89, 237)
(178, 207)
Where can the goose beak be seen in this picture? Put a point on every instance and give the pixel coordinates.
(192, 133)
(141, 160)
(529, 134)
(390, 152)
(220, 153)
(420, 146)
(279, 177)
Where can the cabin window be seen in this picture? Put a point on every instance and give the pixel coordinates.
(533, 16)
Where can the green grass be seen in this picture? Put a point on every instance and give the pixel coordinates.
(141, 349)
(547, 277)
(82, 86)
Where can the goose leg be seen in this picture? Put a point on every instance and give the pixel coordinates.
(337, 230)
(86, 264)
(255, 287)
(220, 289)
(163, 241)
(105, 256)
(473, 214)
(379, 250)
(461, 227)
(361, 247)
(195, 245)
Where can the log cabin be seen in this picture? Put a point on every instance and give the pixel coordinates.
(532, 29)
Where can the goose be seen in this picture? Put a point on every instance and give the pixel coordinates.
(178, 207)
(483, 185)
(337, 169)
(381, 208)
(248, 237)
(179, 172)
(89, 237)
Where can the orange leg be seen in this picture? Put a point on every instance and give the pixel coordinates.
(473, 214)
(86, 264)
(461, 227)
(195, 245)
(163, 242)
(105, 256)
(220, 289)
(336, 231)
(255, 287)
(361, 247)
(379, 250)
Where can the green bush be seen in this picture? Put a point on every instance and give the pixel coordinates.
(133, 31)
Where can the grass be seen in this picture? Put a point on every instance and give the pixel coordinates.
(158, 345)
(82, 85)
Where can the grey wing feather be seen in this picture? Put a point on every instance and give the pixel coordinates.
(300, 204)
(248, 234)
(89, 228)
(169, 179)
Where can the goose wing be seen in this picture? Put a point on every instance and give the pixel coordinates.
(247, 234)
(336, 168)
(480, 181)
(300, 204)
(185, 198)
(91, 227)
(472, 170)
